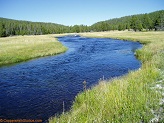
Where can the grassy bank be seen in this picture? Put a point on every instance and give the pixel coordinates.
(128, 99)
(21, 48)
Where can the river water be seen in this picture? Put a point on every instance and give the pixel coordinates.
(37, 88)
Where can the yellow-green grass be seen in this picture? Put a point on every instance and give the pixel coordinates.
(128, 99)
(21, 48)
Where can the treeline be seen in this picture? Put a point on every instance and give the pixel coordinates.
(9, 27)
(151, 21)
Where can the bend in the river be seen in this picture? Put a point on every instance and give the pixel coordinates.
(36, 89)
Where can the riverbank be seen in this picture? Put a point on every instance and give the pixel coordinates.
(130, 98)
(22, 48)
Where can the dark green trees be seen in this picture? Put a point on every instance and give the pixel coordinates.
(10, 27)
(128, 26)
(121, 27)
(136, 24)
(76, 28)
(2, 30)
(159, 22)
(147, 22)
(151, 21)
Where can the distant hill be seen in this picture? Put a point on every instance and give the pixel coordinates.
(153, 20)
(17, 27)
(150, 21)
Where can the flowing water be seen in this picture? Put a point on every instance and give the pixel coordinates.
(36, 89)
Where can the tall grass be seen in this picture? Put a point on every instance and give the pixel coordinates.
(126, 99)
(22, 48)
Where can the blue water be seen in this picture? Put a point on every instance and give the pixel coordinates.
(36, 89)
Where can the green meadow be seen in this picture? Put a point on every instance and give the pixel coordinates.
(22, 48)
(135, 97)
(132, 98)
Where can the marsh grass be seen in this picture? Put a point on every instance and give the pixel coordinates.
(126, 99)
(22, 48)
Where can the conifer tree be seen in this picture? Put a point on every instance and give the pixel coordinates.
(136, 24)
(147, 22)
(2, 30)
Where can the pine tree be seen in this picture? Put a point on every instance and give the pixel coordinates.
(139, 25)
(120, 27)
(128, 26)
(133, 23)
(76, 28)
(147, 22)
(104, 26)
(2, 30)
(159, 22)
(136, 24)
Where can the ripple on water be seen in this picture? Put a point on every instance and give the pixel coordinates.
(36, 89)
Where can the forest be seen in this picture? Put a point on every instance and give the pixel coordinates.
(140, 22)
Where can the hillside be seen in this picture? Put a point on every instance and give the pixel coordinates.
(10, 27)
(150, 21)
(153, 20)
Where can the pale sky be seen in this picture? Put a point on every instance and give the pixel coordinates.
(71, 12)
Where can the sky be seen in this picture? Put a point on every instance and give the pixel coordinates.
(75, 12)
